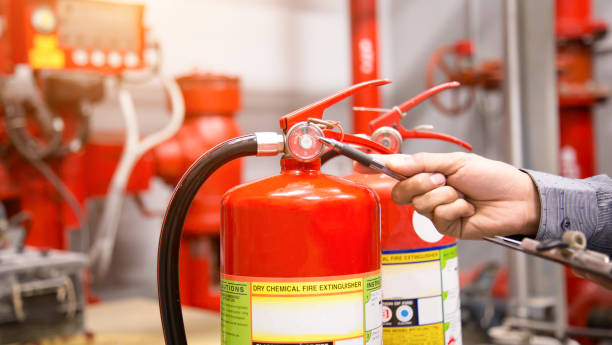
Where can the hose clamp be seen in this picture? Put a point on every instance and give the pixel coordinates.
(269, 143)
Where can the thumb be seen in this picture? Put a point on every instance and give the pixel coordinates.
(409, 165)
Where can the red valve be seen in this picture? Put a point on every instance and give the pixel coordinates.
(315, 110)
(393, 118)
(456, 53)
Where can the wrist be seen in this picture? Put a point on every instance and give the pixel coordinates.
(533, 207)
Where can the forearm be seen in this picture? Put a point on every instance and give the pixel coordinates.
(570, 204)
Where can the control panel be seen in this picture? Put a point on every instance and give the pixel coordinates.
(98, 36)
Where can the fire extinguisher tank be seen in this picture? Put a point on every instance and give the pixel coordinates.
(301, 223)
(305, 247)
(419, 268)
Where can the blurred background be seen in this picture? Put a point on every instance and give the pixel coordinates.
(265, 59)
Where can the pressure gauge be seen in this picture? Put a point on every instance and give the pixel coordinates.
(389, 138)
(303, 141)
(43, 19)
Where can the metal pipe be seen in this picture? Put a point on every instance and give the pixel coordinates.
(364, 48)
(512, 90)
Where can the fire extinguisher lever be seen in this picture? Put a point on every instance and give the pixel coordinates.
(393, 118)
(316, 109)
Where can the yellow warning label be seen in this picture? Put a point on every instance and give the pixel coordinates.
(403, 258)
(307, 288)
(317, 311)
(46, 53)
(416, 335)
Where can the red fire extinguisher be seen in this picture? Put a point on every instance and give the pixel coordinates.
(419, 265)
(300, 251)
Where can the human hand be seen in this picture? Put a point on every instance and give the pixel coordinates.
(465, 195)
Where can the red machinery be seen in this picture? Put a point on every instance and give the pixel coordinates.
(84, 35)
(576, 33)
(419, 266)
(454, 62)
(71, 45)
(364, 48)
(300, 251)
(50, 37)
(578, 93)
(210, 103)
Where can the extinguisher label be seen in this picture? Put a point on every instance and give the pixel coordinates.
(341, 310)
(421, 297)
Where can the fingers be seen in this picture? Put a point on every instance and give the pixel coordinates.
(408, 165)
(362, 169)
(448, 218)
(445, 163)
(405, 191)
(380, 158)
(426, 203)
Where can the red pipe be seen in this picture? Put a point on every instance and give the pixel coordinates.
(364, 47)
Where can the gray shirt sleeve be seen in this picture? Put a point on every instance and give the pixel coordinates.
(570, 204)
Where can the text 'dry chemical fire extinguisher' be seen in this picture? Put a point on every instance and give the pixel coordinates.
(300, 251)
(419, 265)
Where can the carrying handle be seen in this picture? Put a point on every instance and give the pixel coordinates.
(393, 118)
(316, 109)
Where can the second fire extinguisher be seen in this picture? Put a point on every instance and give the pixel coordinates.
(419, 265)
(300, 251)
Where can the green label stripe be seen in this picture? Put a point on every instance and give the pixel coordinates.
(372, 283)
(368, 336)
(447, 254)
(235, 312)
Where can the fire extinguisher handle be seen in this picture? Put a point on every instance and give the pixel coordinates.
(413, 134)
(393, 117)
(172, 229)
(316, 109)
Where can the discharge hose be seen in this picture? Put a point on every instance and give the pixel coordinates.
(260, 144)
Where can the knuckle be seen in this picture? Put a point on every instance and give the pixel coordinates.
(418, 157)
(442, 214)
(418, 180)
(441, 226)
(463, 157)
(448, 193)
(399, 194)
(420, 204)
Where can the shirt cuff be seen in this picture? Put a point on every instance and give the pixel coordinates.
(565, 204)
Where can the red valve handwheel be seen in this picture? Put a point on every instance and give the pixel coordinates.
(461, 98)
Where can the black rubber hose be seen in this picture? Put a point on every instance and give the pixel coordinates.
(329, 155)
(82, 133)
(172, 230)
(26, 145)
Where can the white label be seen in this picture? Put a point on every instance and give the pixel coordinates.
(421, 297)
